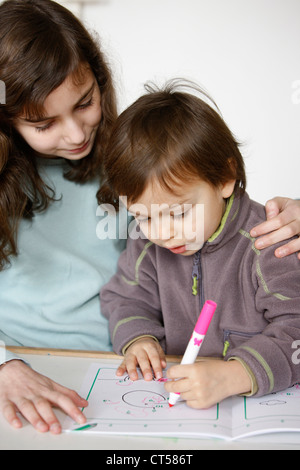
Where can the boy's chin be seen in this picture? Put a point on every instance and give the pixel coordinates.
(192, 249)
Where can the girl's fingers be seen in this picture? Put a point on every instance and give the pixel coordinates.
(28, 410)
(288, 249)
(10, 414)
(267, 228)
(39, 412)
(77, 399)
(45, 410)
(67, 405)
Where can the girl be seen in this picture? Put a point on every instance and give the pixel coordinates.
(60, 105)
(178, 169)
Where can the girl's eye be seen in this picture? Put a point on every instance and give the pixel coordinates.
(87, 104)
(50, 124)
(44, 128)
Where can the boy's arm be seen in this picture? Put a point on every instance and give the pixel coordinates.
(269, 354)
(131, 299)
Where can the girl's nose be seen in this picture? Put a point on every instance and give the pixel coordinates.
(74, 133)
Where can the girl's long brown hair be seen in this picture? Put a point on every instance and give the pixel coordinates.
(41, 44)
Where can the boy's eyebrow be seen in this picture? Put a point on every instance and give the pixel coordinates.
(49, 118)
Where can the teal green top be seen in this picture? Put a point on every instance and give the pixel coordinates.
(49, 295)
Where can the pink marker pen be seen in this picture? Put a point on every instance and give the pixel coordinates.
(196, 340)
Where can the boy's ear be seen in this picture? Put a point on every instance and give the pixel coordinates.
(227, 189)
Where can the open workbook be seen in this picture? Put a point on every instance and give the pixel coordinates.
(119, 406)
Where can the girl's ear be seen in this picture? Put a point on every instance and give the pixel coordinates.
(227, 189)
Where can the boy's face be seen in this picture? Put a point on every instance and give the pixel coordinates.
(181, 223)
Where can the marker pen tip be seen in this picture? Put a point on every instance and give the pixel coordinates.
(170, 406)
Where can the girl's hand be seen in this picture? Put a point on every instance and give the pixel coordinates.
(33, 395)
(207, 383)
(147, 354)
(283, 222)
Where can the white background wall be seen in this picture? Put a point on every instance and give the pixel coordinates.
(246, 53)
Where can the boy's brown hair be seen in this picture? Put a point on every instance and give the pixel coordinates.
(172, 136)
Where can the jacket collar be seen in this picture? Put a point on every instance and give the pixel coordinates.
(236, 213)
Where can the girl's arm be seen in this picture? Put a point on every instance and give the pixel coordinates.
(283, 222)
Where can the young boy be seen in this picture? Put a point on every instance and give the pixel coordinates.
(176, 166)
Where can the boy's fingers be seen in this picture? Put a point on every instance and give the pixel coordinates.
(145, 366)
(177, 372)
(131, 364)
(177, 386)
(157, 366)
(162, 357)
(121, 369)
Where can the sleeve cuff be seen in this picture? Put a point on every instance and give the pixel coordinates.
(136, 339)
(7, 356)
(254, 386)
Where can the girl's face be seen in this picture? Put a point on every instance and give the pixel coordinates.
(181, 224)
(68, 128)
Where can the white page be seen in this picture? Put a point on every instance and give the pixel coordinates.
(119, 406)
(277, 412)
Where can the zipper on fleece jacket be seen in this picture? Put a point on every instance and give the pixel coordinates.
(197, 278)
(228, 333)
(196, 273)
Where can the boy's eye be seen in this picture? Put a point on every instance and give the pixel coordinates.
(178, 216)
(181, 215)
(143, 221)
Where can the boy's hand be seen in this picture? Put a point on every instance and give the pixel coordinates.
(147, 354)
(207, 383)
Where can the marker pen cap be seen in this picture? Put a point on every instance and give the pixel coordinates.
(205, 317)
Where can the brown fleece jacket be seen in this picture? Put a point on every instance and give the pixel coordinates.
(258, 297)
